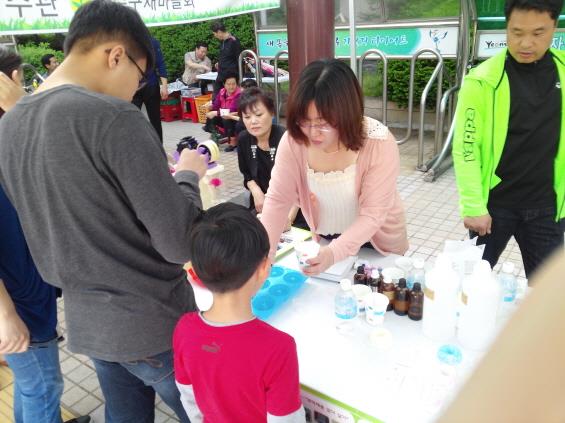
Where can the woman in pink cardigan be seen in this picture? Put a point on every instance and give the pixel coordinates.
(339, 167)
(223, 111)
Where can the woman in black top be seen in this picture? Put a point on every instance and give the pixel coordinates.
(257, 145)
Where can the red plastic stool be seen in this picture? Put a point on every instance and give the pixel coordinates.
(189, 110)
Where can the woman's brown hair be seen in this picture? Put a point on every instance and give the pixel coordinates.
(336, 93)
(251, 96)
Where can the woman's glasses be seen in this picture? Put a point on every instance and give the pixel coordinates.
(305, 126)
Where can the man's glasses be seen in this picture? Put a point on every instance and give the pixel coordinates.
(143, 80)
(319, 127)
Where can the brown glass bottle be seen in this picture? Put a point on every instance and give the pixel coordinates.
(389, 290)
(381, 280)
(416, 307)
(360, 277)
(401, 298)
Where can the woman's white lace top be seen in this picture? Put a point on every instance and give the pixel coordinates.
(337, 199)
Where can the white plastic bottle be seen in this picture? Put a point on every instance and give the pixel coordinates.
(345, 306)
(480, 299)
(440, 300)
(508, 282)
(417, 274)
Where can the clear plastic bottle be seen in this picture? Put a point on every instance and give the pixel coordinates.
(417, 275)
(345, 306)
(374, 280)
(508, 284)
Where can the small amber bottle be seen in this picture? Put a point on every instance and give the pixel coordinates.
(389, 290)
(401, 298)
(360, 277)
(416, 307)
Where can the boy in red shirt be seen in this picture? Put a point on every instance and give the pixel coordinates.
(229, 366)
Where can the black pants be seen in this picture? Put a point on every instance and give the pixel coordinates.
(227, 124)
(151, 96)
(535, 230)
(218, 85)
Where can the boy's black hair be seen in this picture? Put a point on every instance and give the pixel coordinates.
(100, 21)
(553, 7)
(248, 83)
(201, 44)
(227, 243)
(9, 61)
(46, 59)
(251, 96)
(218, 26)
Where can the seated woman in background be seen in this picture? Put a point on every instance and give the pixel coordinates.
(257, 148)
(223, 111)
(339, 167)
(245, 84)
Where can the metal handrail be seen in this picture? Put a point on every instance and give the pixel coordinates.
(385, 77)
(443, 107)
(31, 88)
(436, 74)
(433, 171)
(466, 49)
(258, 70)
(469, 27)
(411, 88)
(435, 163)
(276, 76)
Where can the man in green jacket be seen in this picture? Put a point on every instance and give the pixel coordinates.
(509, 143)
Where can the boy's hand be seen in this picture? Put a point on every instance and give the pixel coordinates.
(480, 224)
(320, 263)
(14, 335)
(194, 161)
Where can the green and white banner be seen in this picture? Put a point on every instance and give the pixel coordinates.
(47, 16)
(392, 41)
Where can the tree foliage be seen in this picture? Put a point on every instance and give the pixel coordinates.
(32, 54)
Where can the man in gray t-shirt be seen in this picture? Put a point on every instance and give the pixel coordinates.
(196, 62)
(103, 218)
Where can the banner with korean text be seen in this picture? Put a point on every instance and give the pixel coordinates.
(48, 16)
(399, 42)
